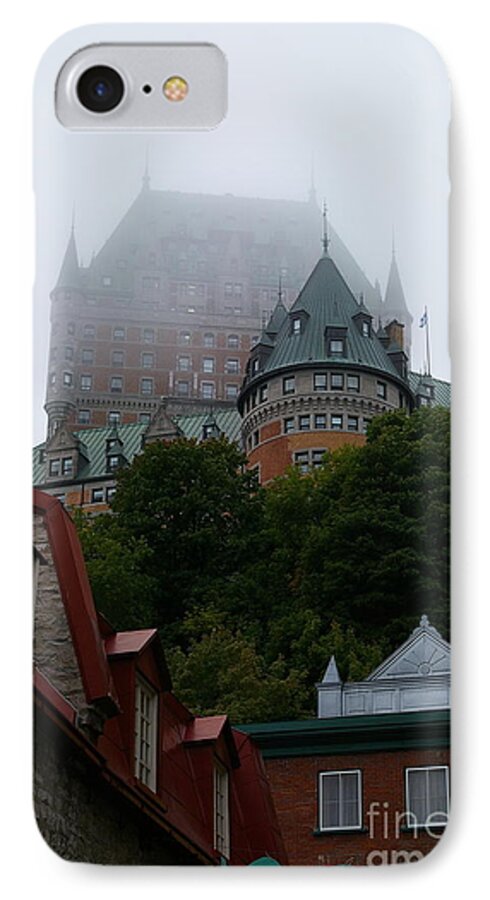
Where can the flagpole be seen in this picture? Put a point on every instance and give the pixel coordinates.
(427, 340)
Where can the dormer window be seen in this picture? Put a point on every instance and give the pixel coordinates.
(54, 467)
(221, 810)
(365, 328)
(336, 340)
(67, 466)
(145, 733)
(336, 347)
(255, 365)
(297, 321)
(296, 326)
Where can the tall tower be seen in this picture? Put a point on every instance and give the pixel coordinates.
(318, 375)
(60, 402)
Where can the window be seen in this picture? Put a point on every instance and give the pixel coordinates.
(301, 459)
(319, 381)
(70, 328)
(221, 811)
(69, 353)
(336, 347)
(112, 461)
(320, 421)
(97, 495)
(365, 329)
(353, 383)
(233, 341)
(145, 733)
(55, 467)
(147, 360)
(67, 379)
(121, 264)
(352, 423)
(255, 365)
(146, 386)
(116, 384)
(427, 795)
(340, 800)
(263, 393)
(209, 340)
(110, 494)
(296, 326)
(118, 357)
(208, 365)
(288, 385)
(381, 389)
(106, 280)
(256, 438)
(52, 378)
(89, 331)
(336, 423)
(207, 390)
(288, 425)
(184, 363)
(304, 423)
(87, 356)
(336, 381)
(231, 391)
(85, 382)
(119, 334)
(228, 289)
(183, 388)
(148, 335)
(232, 366)
(83, 416)
(184, 337)
(317, 457)
(67, 466)
(114, 417)
(365, 424)
(144, 418)
(150, 284)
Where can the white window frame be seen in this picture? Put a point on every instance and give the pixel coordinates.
(410, 822)
(145, 733)
(338, 773)
(221, 809)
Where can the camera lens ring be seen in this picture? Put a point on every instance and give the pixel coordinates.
(100, 89)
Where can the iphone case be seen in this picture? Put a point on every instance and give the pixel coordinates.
(241, 504)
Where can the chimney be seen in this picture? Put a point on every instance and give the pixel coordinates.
(395, 332)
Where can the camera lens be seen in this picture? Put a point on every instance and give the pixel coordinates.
(100, 89)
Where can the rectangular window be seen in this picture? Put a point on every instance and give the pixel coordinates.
(145, 733)
(209, 340)
(184, 337)
(67, 466)
(208, 365)
(146, 386)
(147, 360)
(114, 417)
(365, 424)
(106, 280)
(207, 390)
(112, 461)
(232, 366)
(296, 326)
(288, 385)
(320, 421)
(149, 336)
(69, 353)
(233, 341)
(336, 423)
(183, 388)
(144, 418)
(118, 357)
(340, 800)
(381, 389)
(352, 423)
(83, 416)
(89, 331)
(263, 393)
(288, 425)
(255, 438)
(119, 334)
(67, 379)
(427, 795)
(87, 356)
(337, 381)
(184, 363)
(116, 384)
(320, 381)
(301, 459)
(85, 382)
(55, 467)
(365, 329)
(231, 391)
(221, 811)
(317, 457)
(353, 383)
(304, 423)
(336, 347)
(97, 495)
(110, 494)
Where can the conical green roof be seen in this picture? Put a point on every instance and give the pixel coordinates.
(394, 298)
(69, 273)
(326, 301)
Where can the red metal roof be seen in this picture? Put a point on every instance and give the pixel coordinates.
(206, 728)
(128, 642)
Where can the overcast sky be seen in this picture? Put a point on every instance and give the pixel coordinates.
(368, 103)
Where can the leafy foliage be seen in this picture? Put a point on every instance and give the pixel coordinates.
(254, 588)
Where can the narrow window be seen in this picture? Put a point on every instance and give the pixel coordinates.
(97, 495)
(67, 466)
(85, 382)
(208, 365)
(221, 811)
(209, 340)
(352, 423)
(304, 423)
(427, 795)
(320, 421)
(207, 390)
(301, 459)
(117, 357)
(87, 356)
(263, 393)
(145, 728)
(337, 381)
(114, 417)
(83, 416)
(147, 386)
(116, 384)
(320, 381)
(147, 360)
(353, 383)
(381, 389)
(288, 425)
(55, 467)
(288, 385)
(340, 800)
(67, 379)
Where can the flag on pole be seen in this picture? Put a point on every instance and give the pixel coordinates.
(423, 320)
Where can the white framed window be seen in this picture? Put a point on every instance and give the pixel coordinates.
(340, 800)
(87, 356)
(67, 379)
(427, 795)
(231, 391)
(145, 733)
(233, 341)
(116, 385)
(184, 363)
(381, 389)
(288, 425)
(119, 334)
(85, 382)
(336, 423)
(296, 326)
(288, 384)
(207, 390)
(114, 417)
(209, 340)
(232, 366)
(320, 381)
(208, 365)
(147, 360)
(336, 347)
(146, 386)
(353, 383)
(221, 810)
(118, 357)
(83, 416)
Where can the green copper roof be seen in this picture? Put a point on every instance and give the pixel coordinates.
(394, 298)
(325, 301)
(441, 389)
(94, 441)
(69, 273)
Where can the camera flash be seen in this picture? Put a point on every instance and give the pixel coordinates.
(175, 88)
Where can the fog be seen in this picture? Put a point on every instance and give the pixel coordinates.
(367, 106)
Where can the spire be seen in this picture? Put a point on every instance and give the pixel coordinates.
(69, 273)
(325, 239)
(331, 673)
(394, 297)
